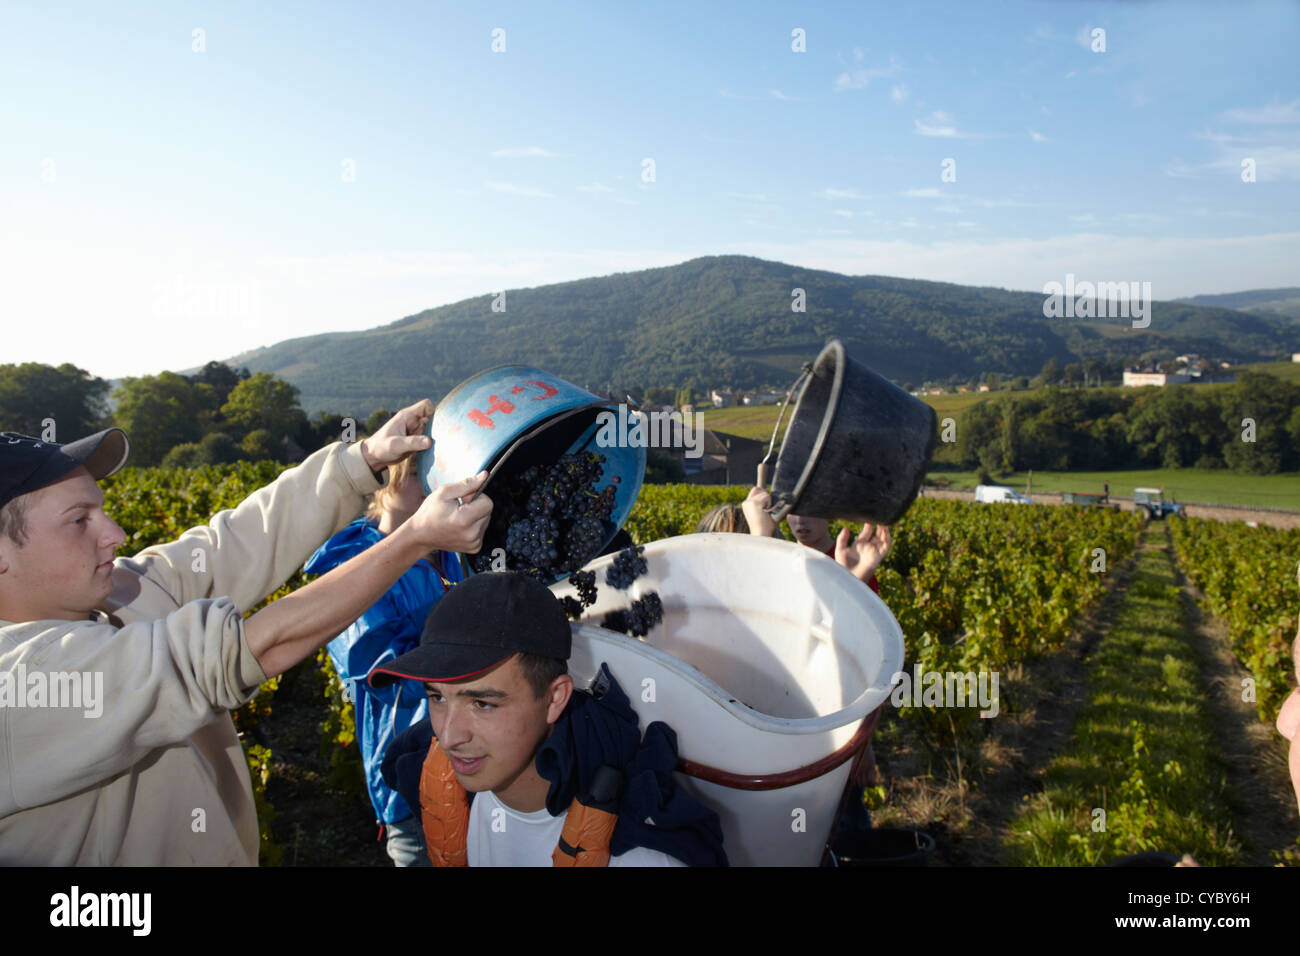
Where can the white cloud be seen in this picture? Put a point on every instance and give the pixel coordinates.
(595, 188)
(523, 152)
(1274, 114)
(909, 223)
(1042, 33)
(1084, 37)
(930, 192)
(966, 224)
(751, 197)
(1006, 203)
(778, 95)
(1037, 137)
(899, 93)
(1274, 161)
(510, 189)
(1087, 218)
(847, 214)
(857, 79)
(830, 193)
(939, 124)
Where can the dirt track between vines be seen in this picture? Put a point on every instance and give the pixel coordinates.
(967, 817)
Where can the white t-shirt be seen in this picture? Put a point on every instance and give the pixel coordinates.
(500, 836)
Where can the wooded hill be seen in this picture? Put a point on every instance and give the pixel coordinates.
(728, 321)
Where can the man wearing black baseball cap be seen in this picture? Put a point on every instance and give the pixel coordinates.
(542, 761)
(152, 772)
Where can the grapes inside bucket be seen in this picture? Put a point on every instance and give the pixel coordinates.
(560, 489)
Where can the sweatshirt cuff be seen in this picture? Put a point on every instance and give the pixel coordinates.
(251, 674)
(358, 472)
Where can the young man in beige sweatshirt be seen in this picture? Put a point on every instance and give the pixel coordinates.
(117, 676)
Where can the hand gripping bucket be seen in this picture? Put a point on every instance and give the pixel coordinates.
(771, 664)
(526, 416)
(857, 447)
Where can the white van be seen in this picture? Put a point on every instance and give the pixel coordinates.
(995, 493)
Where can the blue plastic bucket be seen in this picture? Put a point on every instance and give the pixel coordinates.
(523, 415)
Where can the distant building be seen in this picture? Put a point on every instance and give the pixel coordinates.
(1295, 356)
(984, 388)
(722, 399)
(725, 459)
(1137, 379)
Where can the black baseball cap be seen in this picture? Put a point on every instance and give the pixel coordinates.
(27, 463)
(478, 624)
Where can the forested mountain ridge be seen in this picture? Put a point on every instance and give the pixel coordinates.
(1281, 303)
(729, 321)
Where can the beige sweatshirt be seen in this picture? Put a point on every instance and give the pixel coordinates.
(158, 776)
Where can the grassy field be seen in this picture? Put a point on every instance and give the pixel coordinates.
(746, 421)
(756, 421)
(1184, 484)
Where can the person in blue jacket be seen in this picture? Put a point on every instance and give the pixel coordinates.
(388, 629)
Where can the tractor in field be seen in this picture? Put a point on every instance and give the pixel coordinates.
(1152, 501)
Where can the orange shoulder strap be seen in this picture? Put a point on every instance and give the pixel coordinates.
(444, 810)
(585, 838)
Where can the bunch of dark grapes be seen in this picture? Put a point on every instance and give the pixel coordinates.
(627, 567)
(637, 620)
(549, 519)
(533, 541)
(584, 582)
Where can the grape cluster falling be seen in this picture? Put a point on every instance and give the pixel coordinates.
(645, 612)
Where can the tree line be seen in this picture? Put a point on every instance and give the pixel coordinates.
(1251, 426)
(220, 415)
(217, 416)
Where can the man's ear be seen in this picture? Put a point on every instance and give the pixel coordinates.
(561, 691)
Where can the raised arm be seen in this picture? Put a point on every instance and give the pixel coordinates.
(247, 552)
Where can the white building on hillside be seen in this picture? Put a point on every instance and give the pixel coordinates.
(1138, 379)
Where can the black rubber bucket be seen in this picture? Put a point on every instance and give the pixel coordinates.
(885, 846)
(857, 447)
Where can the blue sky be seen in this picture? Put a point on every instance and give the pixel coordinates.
(320, 167)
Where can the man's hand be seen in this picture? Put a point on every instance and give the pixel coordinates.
(865, 554)
(400, 436)
(756, 508)
(454, 517)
